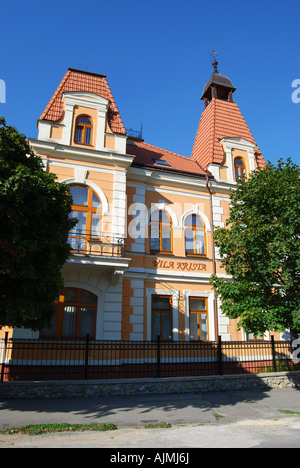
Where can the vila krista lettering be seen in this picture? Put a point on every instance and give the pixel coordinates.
(184, 266)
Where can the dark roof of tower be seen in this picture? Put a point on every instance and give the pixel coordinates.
(223, 84)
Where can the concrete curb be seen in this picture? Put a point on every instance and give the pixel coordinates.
(95, 388)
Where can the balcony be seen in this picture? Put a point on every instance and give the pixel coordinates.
(103, 244)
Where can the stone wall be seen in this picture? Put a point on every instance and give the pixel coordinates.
(97, 388)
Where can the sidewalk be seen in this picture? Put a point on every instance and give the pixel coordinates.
(238, 418)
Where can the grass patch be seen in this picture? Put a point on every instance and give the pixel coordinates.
(285, 411)
(218, 416)
(36, 429)
(162, 425)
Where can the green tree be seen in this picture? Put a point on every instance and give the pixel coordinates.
(260, 249)
(34, 220)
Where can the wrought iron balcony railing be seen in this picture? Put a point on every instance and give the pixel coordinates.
(90, 243)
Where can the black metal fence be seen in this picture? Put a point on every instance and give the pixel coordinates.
(44, 359)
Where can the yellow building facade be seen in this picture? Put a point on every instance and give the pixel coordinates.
(142, 250)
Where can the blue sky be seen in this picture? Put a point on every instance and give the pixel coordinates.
(157, 58)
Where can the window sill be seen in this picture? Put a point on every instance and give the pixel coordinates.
(196, 255)
(158, 252)
(83, 144)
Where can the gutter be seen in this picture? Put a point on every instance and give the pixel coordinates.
(214, 261)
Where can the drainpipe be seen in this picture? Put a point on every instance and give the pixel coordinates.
(214, 260)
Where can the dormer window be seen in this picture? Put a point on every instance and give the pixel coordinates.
(161, 162)
(239, 169)
(83, 130)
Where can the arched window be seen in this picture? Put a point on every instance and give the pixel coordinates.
(74, 314)
(239, 169)
(83, 130)
(160, 232)
(86, 208)
(194, 236)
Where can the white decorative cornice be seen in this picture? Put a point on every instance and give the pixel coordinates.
(105, 156)
(237, 143)
(85, 99)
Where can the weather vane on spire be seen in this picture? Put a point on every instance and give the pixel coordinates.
(213, 54)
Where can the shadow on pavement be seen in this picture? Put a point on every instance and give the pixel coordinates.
(133, 410)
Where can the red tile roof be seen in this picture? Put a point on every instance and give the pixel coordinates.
(77, 80)
(219, 120)
(145, 155)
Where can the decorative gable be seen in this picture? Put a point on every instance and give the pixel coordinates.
(222, 126)
(95, 107)
(86, 96)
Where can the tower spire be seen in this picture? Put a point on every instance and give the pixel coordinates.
(215, 63)
(218, 86)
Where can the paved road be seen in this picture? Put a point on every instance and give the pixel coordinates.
(220, 419)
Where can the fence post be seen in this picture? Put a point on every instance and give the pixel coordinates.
(4, 356)
(273, 354)
(219, 355)
(158, 357)
(86, 364)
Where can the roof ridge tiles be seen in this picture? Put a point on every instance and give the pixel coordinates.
(86, 72)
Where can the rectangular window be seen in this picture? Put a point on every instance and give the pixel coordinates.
(87, 136)
(69, 321)
(95, 225)
(87, 321)
(200, 243)
(78, 136)
(194, 236)
(161, 317)
(77, 233)
(198, 319)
